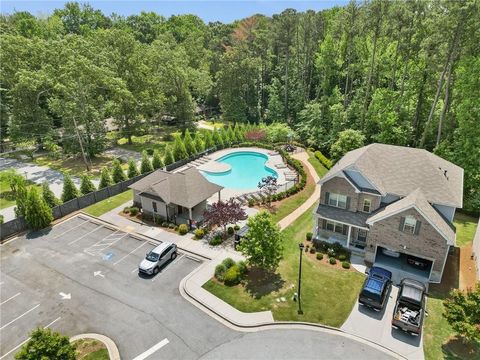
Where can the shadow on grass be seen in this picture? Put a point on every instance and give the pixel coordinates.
(260, 282)
(455, 348)
(451, 276)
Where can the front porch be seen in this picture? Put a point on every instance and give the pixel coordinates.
(349, 236)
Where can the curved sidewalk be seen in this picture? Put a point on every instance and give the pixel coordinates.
(113, 352)
(290, 218)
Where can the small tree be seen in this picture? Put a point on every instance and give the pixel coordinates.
(347, 140)
(199, 145)
(146, 164)
(238, 133)
(225, 137)
(118, 174)
(21, 194)
(208, 139)
(69, 191)
(132, 168)
(268, 185)
(189, 144)
(38, 214)
(157, 162)
(264, 247)
(179, 150)
(105, 178)
(169, 159)
(49, 196)
(46, 344)
(231, 134)
(223, 213)
(217, 139)
(86, 185)
(13, 178)
(462, 311)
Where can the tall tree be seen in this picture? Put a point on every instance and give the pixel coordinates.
(38, 214)
(69, 191)
(48, 195)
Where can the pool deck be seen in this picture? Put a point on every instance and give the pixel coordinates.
(274, 162)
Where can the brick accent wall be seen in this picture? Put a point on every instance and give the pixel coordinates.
(340, 186)
(428, 243)
(374, 199)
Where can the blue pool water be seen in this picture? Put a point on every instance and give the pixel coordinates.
(247, 169)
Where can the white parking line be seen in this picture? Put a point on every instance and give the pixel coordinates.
(177, 260)
(73, 228)
(81, 237)
(18, 317)
(136, 269)
(103, 244)
(153, 349)
(130, 253)
(10, 298)
(23, 342)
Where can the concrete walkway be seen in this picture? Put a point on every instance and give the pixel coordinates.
(290, 218)
(38, 174)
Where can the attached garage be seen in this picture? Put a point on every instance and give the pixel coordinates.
(403, 265)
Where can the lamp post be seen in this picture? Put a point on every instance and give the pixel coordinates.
(300, 312)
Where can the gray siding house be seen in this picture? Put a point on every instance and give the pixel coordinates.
(394, 206)
(179, 197)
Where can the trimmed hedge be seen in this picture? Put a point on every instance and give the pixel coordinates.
(199, 234)
(346, 265)
(220, 272)
(319, 256)
(182, 229)
(323, 159)
(332, 261)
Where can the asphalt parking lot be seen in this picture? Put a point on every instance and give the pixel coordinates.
(82, 276)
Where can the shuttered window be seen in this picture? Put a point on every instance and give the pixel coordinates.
(409, 225)
(337, 200)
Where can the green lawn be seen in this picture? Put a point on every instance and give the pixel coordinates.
(322, 286)
(111, 203)
(466, 226)
(101, 354)
(140, 143)
(75, 165)
(319, 168)
(7, 199)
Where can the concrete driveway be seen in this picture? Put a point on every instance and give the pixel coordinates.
(377, 327)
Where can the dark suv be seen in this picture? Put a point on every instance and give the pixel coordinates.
(376, 288)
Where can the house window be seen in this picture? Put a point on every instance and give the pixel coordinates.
(409, 225)
(335, 227)
(367, 205)
(337, 200)
(154, 205)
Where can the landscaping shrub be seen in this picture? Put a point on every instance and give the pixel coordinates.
(216, 240)
(126, 210)
(309, 236)
(232, 276)
(183, 229)
(220, 272)
(134, 211)
(230, 230)
(164, 224)
(331, 252)
(199, 233)
(332, 261)
(346, 265)
(176, 228)
(313, 250)
(149, 151)
(171, 226)
(236, 227)
(342, 257)
(306, 248)
(242, 267)
(251, 202)
(228, 263)
(323, 159)
(319, 256)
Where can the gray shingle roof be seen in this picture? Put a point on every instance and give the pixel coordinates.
(400, 170)
(418, 200)
(344, 216)
(186, 188)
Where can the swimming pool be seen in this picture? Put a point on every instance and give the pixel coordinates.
(247, 169)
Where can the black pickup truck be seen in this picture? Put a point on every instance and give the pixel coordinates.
(410, 307)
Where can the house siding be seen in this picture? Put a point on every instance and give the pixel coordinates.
(427, 244)
(147, 207)
(374, 199)
(340, 186)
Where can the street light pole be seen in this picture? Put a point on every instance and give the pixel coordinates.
(300, 312)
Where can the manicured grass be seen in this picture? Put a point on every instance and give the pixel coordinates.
(75, 165)
(111, 203)
(293, 202)
(466, 226)
(7, 199)
(101, 354)
(90, 349)
(322, 287)
(319, 168)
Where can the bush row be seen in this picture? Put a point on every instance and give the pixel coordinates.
(323, 159)
(230, 272)
(335, 250)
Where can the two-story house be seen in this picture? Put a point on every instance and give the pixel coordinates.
(394, 205)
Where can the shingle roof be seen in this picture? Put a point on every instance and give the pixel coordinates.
(418, 200)
(400, 170)
(344, 216)
(186, 188)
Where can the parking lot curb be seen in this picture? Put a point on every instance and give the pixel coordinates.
(113, 352)
(253, 327)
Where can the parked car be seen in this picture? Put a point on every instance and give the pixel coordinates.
(417, 262)
(157, 257)
(410, 307)
(376, 288)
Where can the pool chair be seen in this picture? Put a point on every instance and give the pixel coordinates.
(281, 166)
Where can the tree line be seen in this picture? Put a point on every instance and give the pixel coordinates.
(396, 72)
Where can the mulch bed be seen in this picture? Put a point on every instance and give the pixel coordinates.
(325, 260)
(462, 350)
(87, 346)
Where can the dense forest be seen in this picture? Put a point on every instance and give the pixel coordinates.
(397, 72)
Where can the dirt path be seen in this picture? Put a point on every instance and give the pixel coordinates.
(287, 220)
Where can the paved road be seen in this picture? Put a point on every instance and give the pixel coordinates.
(48, 279)
(38, 174)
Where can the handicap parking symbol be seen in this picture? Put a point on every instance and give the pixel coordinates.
(108, 256)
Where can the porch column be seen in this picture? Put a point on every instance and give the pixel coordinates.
(348, 236)
(190, 213)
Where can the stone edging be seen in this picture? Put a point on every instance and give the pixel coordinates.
(253, 327)
(113, 353)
